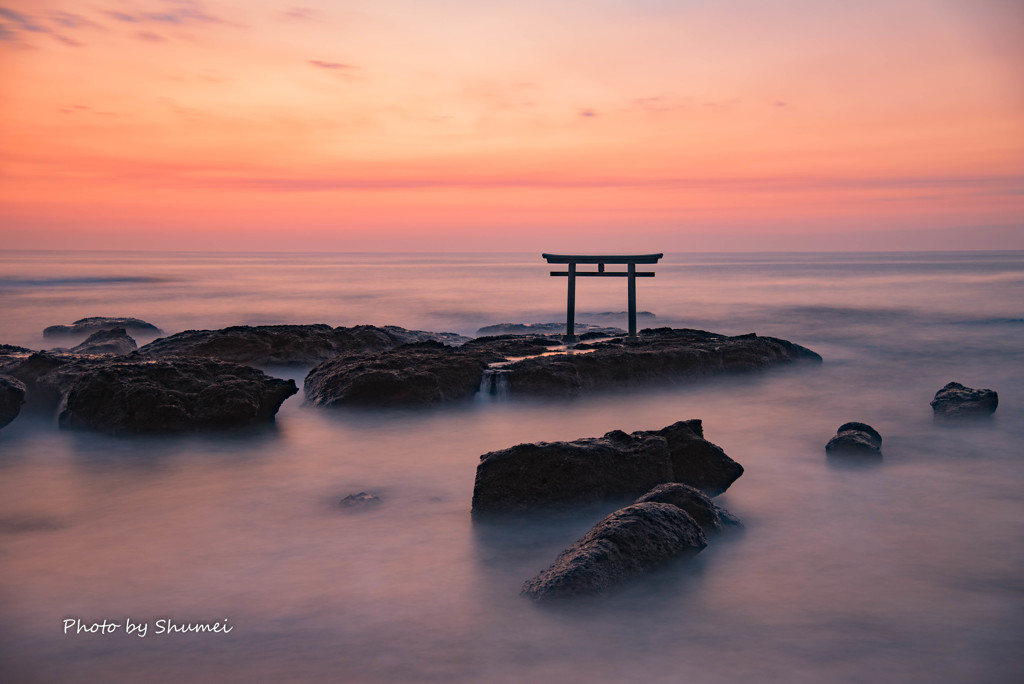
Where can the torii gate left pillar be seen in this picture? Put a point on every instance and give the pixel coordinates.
(630, 261)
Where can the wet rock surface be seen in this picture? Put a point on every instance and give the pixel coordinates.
(543, 474)
(547, 329)
(630, 541)
(957, 402)
(441, 373)
(415, 374)
(86, 326)
(663, 354)
(701, 508)
(133, 395)
(114, 341)
(182, 395)
(855, 439)
(360, 501)
(12, 396)
(302, 345)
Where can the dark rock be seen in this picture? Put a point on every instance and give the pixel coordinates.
(505, 346)
(696, 461)
(529, 476)
(710, 517)
(424, 373)
(113, 341)
(664, 354)
(179, 395)
(630, 541)
(855, 439)
(360, 501)
(87, 326)
(12, 396)
(304, 345)
(47, 375)
(134, 395)
(956, 401)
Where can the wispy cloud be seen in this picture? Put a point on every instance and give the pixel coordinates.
(175, 12)
(15, 24)
(302, 14)
(333, 66)
(588, 113)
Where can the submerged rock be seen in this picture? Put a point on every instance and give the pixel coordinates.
(133, 395)
(630, 541)
(529, 476)
(956, 401)
(87, 326)
(362, 500)
(113, 341)
(12, 396)
(855, 439)
(710, 517)
(304, 345)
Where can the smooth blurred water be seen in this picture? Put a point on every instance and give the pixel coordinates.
(908, 571)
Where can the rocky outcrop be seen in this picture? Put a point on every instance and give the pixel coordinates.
(361, 501)
(956, 402)
(855, 439)
(702, 509)
(695, 461)
(663, 354)
(630, 541)
(441, 373)
(182, 395)
(113, 341)
(133, 395)
(87, 326)
(12, 396)
(617, 465)
(527, 476)
(302, 345)
(425, 373)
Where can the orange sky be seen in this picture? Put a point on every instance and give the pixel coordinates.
(639, 125)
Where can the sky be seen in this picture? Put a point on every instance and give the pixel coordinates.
(466, 125)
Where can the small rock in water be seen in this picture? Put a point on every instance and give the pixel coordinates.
(113, 341)
(855, 439)
(12, 396)
(87, 326)
(630, 541)
(360, 500)
(956, 401)
(710, 517)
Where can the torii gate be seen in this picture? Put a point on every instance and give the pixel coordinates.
(572, 260)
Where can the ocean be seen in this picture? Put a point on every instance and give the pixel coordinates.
(908, 570)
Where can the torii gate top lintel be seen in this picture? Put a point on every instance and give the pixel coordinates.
(630, 260)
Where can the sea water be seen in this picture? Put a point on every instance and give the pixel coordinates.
(904, 571)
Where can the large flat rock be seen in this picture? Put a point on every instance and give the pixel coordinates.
(300, 345)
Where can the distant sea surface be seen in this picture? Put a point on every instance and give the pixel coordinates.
(907, 571)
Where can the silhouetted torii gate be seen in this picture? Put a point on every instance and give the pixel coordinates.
(631, 260)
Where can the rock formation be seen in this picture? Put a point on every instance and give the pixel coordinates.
(855, 439)
(630, 541)
(617, 465)
(302, 345)
(12, 396)
(956, 401)
(87, 326)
